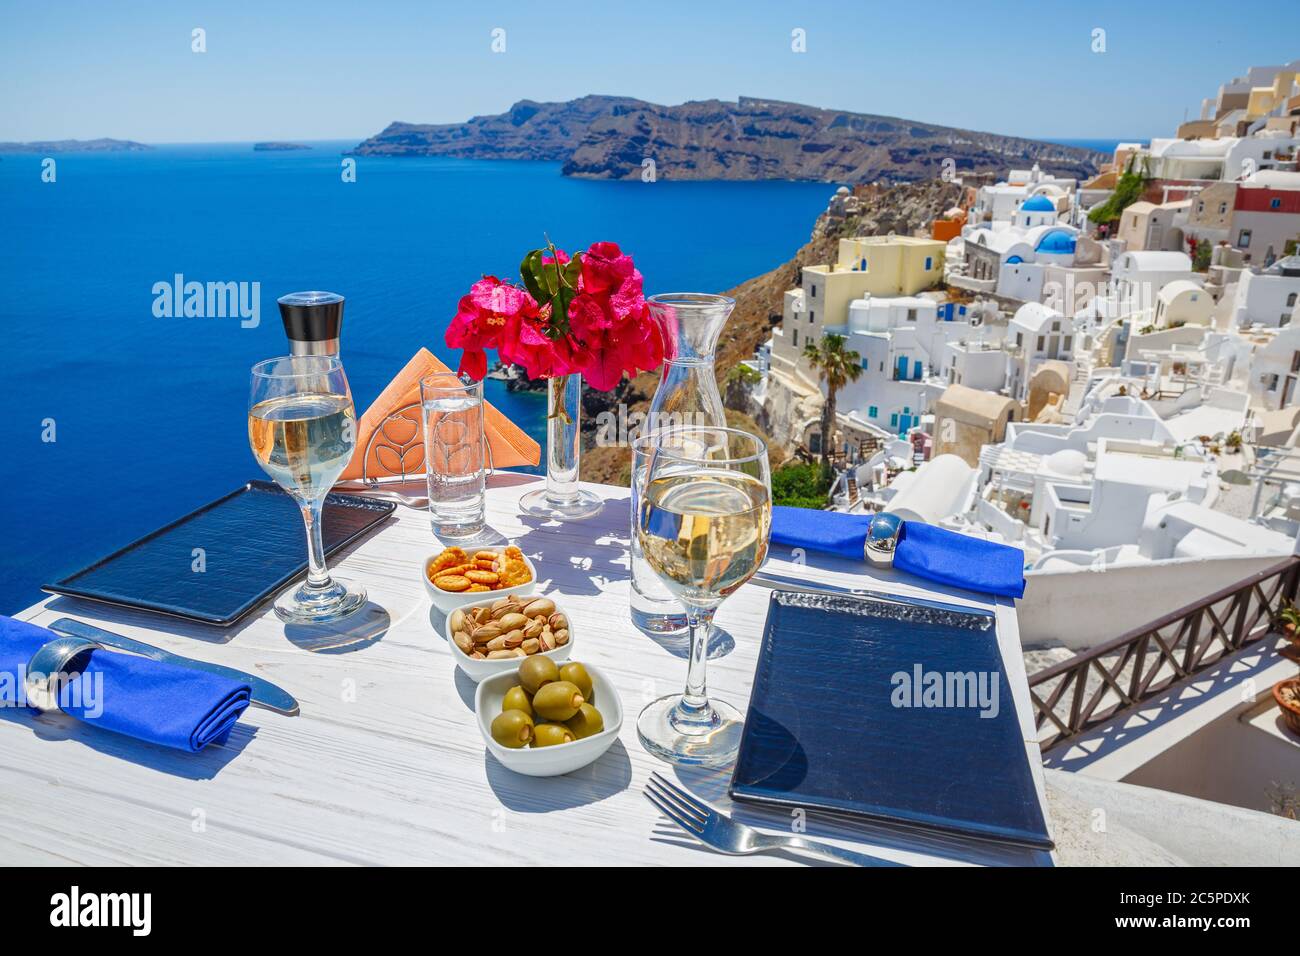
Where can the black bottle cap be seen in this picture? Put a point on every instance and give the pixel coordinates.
(311, 316)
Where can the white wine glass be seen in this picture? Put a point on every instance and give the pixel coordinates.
(704, 519)
(302, 429)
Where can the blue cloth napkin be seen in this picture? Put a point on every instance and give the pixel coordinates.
(935, 554)
(150, 700)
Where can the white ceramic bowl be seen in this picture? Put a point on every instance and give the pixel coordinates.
(562, 758)
(476, 670)
(447, 601)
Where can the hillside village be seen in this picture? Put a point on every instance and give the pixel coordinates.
(1100, 371)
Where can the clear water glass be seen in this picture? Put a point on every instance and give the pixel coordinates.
(454, 442)
(655, 609)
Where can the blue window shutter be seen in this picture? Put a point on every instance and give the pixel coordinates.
(893, 420)
(871, 412)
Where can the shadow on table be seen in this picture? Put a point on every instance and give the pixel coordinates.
(570, 556)
(711, 787)
(367, 626)
(204, 765)
(107, 616)
(465, 687)
(597, 781)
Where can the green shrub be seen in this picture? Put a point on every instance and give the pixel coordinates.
(801, 485)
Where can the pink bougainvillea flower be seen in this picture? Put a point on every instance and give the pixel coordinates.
(483, 318)
(605, 268)
(607, 332)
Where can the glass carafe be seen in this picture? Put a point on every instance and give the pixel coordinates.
(687, 396)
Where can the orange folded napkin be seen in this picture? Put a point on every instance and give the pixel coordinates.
(401, 447)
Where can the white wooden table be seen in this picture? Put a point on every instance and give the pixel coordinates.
(385, 763)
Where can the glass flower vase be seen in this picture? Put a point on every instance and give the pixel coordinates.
(561, 499)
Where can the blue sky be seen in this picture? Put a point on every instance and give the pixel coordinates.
(343, 70)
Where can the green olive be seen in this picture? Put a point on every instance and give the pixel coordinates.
(537, 670)
(548, 735)
(512, 728)
(575, 673)
(557, 701)
(586, 722)
(517, 699)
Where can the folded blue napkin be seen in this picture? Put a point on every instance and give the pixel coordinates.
(924, 550)
(150, 700)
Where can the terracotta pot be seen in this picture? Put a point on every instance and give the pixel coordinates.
(1290, 709)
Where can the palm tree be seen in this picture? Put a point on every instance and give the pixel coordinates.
(838, 367)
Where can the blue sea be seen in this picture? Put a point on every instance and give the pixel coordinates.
(147, 414)
(1100, 145)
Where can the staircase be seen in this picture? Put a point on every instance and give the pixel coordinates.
(851, 484)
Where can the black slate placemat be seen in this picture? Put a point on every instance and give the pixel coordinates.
(252, 543)
(835, 722)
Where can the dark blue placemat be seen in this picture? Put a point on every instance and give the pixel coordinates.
(216, 564)
(846, 717)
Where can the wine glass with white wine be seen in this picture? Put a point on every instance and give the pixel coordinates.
(704, 518)
(302, 429)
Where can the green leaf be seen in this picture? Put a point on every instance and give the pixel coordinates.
(573, 271)
(530, 270)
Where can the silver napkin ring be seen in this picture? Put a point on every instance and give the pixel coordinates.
(49, 667)
(882, 538)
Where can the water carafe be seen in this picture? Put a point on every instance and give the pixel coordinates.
(687, 395)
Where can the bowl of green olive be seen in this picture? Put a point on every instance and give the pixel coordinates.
(548, 717)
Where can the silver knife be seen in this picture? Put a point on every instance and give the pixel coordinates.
(779, 582)
(264, 693)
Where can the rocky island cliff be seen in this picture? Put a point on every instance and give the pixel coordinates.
(611, 137)
(103, 145)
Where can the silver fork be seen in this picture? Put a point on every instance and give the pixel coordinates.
(727, 836)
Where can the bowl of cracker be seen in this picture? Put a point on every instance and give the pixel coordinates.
(455, 577)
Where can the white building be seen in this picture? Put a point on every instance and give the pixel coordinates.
(905, 344)
(1267, 297)
(1182, 302)
(1136, 279)
(1035, 334)
(1001, 202)
(1275, 369)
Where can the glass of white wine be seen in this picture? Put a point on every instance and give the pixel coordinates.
(704, 518)
(302, 429)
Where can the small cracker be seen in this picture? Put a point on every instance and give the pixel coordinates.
(515, 573)
(475, 588)
(483, 577)
(452, 582)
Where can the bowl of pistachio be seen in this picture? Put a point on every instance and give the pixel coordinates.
(493, 636)
(543, 719)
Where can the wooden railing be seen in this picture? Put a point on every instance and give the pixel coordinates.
(1094, 687)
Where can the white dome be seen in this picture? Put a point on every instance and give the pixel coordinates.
(1067, 462)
